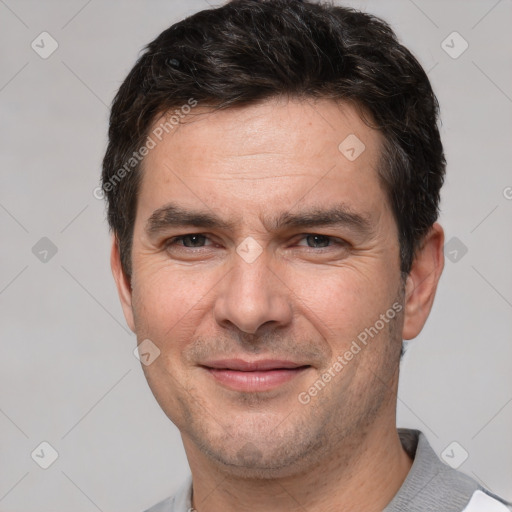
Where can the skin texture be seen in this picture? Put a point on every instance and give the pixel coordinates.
(302, 299)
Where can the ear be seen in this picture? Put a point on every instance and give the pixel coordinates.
(422, 281)
(123, 285)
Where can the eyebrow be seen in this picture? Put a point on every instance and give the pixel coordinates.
(340, 215)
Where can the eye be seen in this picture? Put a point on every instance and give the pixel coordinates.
(190, 241)
(316, 241)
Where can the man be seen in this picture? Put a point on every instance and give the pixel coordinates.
(273, 177)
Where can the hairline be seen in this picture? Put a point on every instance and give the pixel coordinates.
(364, 113)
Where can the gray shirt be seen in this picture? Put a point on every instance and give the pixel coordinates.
(430, 486)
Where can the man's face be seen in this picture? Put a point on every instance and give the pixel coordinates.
(270, 284)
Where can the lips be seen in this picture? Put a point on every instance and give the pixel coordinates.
(253, 376)
(250, 366)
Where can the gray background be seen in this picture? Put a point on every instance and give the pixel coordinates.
(68, 375)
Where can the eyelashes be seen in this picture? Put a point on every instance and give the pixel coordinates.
(189, 241)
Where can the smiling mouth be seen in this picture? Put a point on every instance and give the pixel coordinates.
(254, 376)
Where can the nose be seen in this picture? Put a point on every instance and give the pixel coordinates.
(252, 296)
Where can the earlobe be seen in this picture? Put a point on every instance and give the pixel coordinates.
(422, 282)
(122, 283)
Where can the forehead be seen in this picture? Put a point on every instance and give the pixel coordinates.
(264, 156)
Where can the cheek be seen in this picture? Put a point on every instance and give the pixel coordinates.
(167, 303)
(343, 301)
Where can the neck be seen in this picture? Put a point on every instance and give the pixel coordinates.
(363, 474)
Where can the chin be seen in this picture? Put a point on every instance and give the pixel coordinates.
(253, 459)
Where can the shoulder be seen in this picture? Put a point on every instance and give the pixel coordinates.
(434, 485)
(180, 502)
(481, 501)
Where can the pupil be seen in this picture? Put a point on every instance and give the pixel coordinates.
(321, 237)
(194, 239)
